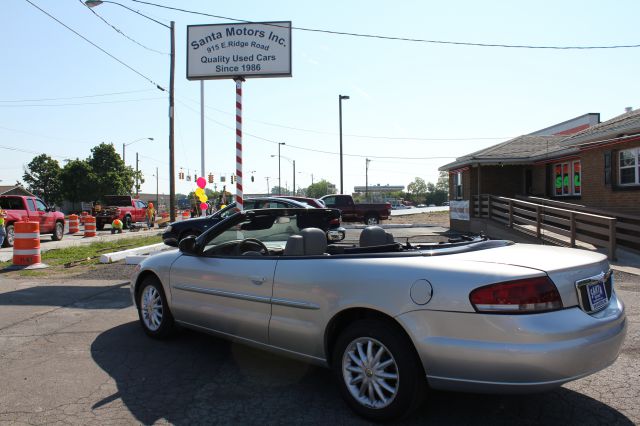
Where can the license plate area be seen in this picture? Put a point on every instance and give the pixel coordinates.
(594, 293)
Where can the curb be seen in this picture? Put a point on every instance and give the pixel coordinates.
(395, 225)
(119, 255)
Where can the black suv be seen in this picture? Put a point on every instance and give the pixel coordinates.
(196, 226)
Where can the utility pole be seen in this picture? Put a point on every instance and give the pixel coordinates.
(172, 172)
(366, 179)
(268, 187)
(294, 177)
(157, 196)
(137, 188)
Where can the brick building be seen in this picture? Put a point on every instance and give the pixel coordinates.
(581, 161)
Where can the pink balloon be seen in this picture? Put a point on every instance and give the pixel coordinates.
(204, 206)
(202, 182)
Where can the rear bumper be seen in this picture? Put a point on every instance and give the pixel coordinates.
(515, 353)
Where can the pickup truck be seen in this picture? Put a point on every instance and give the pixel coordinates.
(17, 207)
(370, 213)
(129, 210)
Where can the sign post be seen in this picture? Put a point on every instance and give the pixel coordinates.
(238, 51)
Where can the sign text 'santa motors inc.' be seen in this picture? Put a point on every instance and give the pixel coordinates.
(257, 49)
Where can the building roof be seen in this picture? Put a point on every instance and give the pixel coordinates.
(14, 190)
(531, 148)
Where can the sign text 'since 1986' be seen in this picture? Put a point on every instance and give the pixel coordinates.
(239, 50)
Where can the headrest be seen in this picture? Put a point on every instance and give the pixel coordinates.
(375, 236)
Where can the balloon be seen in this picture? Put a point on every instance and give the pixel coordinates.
(199, 192)
(202, 182)
(203, 198)
(204, 206)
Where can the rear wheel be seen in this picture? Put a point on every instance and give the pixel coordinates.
(153, 310)
(379, 373)
(371, 219)
(58, 231)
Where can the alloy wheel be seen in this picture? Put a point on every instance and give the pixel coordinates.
(151, 308)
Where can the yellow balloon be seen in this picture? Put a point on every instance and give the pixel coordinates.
(203, 198)
(199, 192)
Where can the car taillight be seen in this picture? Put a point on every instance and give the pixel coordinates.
(335, 222)
(524, 296)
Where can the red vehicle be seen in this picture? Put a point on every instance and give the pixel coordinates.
(129, 210)
(369, 213)
(313, 202)
(18, 207)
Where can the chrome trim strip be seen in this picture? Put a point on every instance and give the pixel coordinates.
(229, 294)
(295, 304)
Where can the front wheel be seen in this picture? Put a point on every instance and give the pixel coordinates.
(58, 232)
(379, 373)
(153, 310)
(371, 219)
(8, 239)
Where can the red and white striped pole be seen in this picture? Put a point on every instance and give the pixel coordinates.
(239, 201)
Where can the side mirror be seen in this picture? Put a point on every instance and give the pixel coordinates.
(188, 245)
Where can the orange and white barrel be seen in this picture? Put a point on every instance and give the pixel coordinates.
(83, 217)
(26, 243)
(74, 224)
(89, 226)
(186, 215)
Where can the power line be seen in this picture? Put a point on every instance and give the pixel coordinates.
(315, 150)
(81, 103)
(321, 132)
(28, 151)
(96, 46)
(74, 97)
(415, 40)
(120, 31)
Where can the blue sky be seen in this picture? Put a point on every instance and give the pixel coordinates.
(404, 96)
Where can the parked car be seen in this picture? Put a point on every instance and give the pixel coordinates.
(390, 319)
(176, 231)
(124, 207)
(18, 207)
(369, 213)
(314, 202)
(398, 205)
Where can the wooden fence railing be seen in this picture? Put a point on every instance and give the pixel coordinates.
(550, 222)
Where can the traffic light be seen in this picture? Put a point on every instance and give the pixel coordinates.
(223, 178)
(181, 175)
(251, 178)
(210, 177)
(232, 178)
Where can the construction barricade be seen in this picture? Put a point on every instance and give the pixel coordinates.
(74, 224)
(186, 215)
(90, 226)
(26, 243)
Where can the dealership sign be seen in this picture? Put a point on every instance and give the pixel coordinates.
(257, 49)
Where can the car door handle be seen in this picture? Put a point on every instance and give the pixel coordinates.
(257, 280)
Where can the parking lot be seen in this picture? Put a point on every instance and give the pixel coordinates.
(72, 352)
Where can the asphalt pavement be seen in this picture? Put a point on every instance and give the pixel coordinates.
(72, 352)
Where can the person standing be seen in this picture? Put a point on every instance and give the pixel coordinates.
(151, 214)
(3, 233)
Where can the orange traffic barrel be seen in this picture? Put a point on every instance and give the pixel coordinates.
(186, 215)
(74, 224)
(26, 243)
(89, 226)
(83, 217)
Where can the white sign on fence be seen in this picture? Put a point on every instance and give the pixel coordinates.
(257, 49)
(459, 210)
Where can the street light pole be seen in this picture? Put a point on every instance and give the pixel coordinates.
(129, 143)
(294, 177)
(340, 98)
(268, 188)
(172, 175)
(366, 179)
(279, 181)
(137, 186)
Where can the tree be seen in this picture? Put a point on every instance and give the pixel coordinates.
(42, 176)
(320, 189)
(417, 188)
(77, 181)
(443, 182)
(111, 175)
(279, 190)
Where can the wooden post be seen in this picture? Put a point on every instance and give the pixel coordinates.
(538, 222)
(510, 213)
(572, 228)
(612, 239)
(489, 205)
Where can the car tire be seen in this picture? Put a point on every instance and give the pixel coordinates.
(58, 231)
(367, 356)
(371, 219)
(126, 222)
(153, 311)
(9, 237)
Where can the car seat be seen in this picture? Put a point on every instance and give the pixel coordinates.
(309, 242)
(375, 236)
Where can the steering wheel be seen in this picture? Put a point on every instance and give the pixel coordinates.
(240, 248)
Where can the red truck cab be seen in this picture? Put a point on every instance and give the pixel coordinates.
(369, 213)
(17, 207)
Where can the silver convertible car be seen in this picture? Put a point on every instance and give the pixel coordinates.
(391, 319)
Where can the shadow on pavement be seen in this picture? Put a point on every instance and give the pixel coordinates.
(196, 378)
(74, 296)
